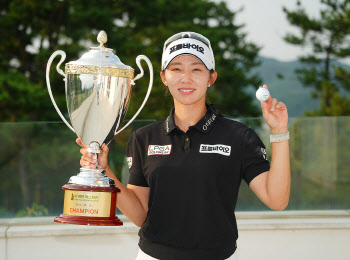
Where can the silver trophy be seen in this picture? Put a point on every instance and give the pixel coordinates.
(98, 89)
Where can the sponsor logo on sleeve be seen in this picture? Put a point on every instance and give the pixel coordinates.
(215, 148)
(129, 160)
(263, 152)
(159, 149)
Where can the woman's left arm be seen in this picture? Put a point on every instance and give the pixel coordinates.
(273, 187)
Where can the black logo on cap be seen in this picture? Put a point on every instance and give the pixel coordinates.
(186, 46)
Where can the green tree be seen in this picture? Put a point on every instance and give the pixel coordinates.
(328, 38)
(32, 30)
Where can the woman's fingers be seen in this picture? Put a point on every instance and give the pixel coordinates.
(103, 157)
(281, 105)
(87, 162)
(105, 149)
(266, 105)
(84, 163)
(84, 151)
(273, 104)
(267, 102)
(88, 158)
(79, 142)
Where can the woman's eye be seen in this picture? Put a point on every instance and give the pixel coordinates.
(197, 69)
(175, 69)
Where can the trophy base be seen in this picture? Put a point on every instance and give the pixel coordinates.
(90, 221)
(86, 205)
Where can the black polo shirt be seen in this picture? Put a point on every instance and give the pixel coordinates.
(194, 178)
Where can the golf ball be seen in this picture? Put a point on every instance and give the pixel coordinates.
(262, 94)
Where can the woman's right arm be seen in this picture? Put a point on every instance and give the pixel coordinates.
(131, 200)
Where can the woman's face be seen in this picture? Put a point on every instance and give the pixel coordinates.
(187, 79)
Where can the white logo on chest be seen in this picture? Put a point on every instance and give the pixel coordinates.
(159, 149)
(215, 148)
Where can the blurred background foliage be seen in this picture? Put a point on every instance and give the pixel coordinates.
(32, 30)
(36, 159)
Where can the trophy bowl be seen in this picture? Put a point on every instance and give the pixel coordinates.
(98, 89)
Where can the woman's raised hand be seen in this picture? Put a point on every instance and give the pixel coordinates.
(275, 114)
(87, 160)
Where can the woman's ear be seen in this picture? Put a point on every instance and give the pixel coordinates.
(162, 76)
(212, 77)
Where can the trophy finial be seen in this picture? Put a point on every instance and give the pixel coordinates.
(102, 38)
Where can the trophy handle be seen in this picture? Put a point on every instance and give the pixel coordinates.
(63, 54)
(140, 75)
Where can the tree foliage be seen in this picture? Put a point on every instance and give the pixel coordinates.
(32, 30)
(328, 38)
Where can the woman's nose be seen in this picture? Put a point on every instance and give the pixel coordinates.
(186, 77)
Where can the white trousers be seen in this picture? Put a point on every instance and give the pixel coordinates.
(143, 256)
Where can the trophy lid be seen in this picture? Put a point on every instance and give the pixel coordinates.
(100, 61)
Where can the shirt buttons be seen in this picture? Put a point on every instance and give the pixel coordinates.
(187, 144)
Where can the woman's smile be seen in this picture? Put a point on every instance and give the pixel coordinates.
(186, 91)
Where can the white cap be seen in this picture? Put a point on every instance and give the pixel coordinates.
(188, 46)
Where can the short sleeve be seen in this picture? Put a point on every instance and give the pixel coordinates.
(254, 161)
(133, 157)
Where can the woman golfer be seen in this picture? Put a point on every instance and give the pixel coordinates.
(185, 170)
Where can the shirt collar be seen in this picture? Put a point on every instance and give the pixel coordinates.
(170, 122)
(204, 125)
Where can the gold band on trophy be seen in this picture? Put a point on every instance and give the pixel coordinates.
(98, 70)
